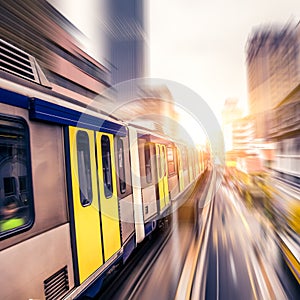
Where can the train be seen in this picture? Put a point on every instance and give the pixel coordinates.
(79, 189)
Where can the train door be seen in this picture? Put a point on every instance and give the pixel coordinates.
(124, 187)
(165, 172)
(162, 176)
(108, 194)
(84, 206)
(180, 170)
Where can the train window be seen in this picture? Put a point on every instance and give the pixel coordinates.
(16, 199)
(84, 168)
(9, 184)
(106, 165)
(148, 163)
(121, 165)
(171, 161)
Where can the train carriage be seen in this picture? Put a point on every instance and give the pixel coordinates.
(92, 213)
(162, 176)
(173, 170)
(43, 235)
(79, 190)
(150, 181)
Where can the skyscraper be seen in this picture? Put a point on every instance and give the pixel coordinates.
(273, 67)
(230, 113)
(127, 39)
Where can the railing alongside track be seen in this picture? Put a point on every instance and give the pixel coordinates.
(129, 282)
(195, 268)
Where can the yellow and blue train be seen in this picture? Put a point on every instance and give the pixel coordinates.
(78, 190)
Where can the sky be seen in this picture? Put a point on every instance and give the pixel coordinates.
(201, 43)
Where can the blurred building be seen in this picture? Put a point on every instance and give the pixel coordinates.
(40, 30)
(243, 134)
(273, 67)
(230, 113)
(127, 36)
(115, 28)
(285, 134)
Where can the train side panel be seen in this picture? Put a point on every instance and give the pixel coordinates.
(84, 204)
(125, 197)
(148, 178)
(25, 254)
(185, 166)
(136, 186)
(162, 177)
(172, 166)
(108, 194)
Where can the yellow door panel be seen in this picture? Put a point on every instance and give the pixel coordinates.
(180, 171)
(165, 174)
(160, 181)
(162, 175)
(108, 195)
(85, 201)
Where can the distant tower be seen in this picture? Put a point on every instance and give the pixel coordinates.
(243, 134)
(230, 113)
(127, 39)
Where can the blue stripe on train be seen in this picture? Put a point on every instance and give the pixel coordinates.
(46, 111)
(54, 113)
(128, 248)
(149, 227)
(14, 99)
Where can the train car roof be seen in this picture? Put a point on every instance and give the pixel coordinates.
(27, 87)
(155, 136)
(45, 105)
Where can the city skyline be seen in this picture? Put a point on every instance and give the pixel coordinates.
(200, 45)
(206, 50)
